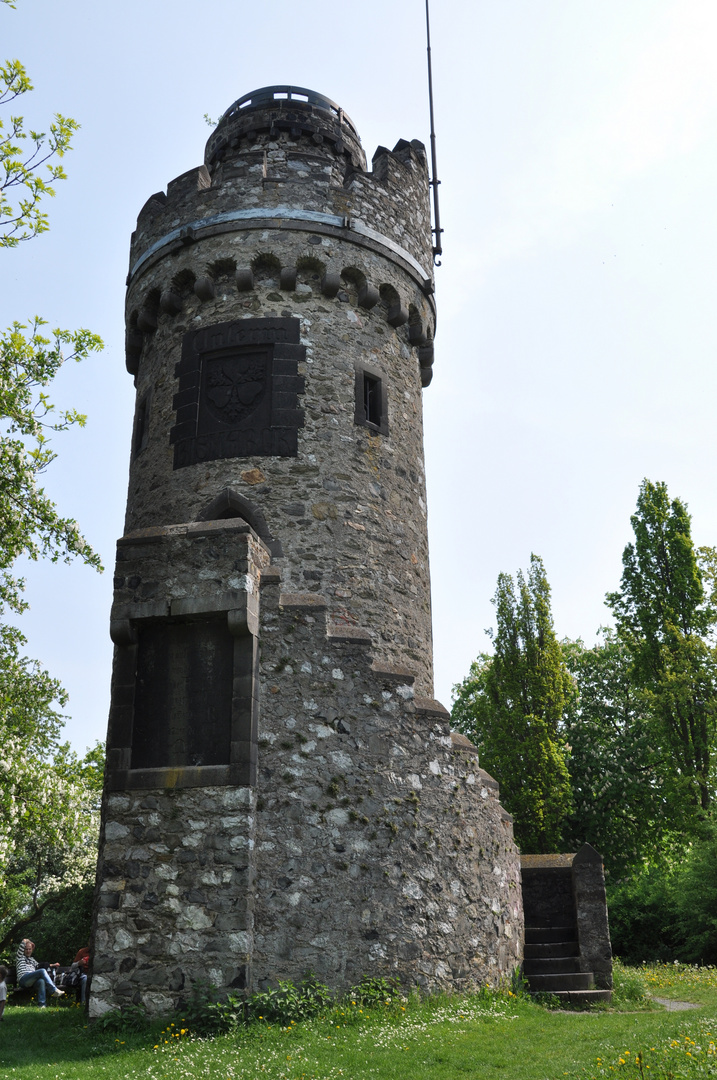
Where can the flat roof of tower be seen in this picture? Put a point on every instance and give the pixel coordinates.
(272, 95)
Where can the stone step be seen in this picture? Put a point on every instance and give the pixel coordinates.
(564, 980)
(550, 965)
(582, 997)
(542, 934)
(551, 949)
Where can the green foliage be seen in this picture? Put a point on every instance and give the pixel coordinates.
(696, 899)
(513, 704)
(52, 835)
(287, 1003)
(643, 916)
(664, 620)
(121, 1021)
(629, 984)
(27, 168)
(617, 778)
(29, 522)
(490, 1033)
(64, 925)
(48, 796)
(375, 992)
(208, 1012)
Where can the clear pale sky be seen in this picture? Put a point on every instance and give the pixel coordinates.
(577, 336)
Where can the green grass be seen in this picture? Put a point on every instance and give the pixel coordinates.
(481, 1036)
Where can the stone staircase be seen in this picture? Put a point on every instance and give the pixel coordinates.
(552, 965)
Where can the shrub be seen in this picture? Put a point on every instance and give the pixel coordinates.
(643, 917)
(696, 900)
(376, 992)
(287, 1003)
(128, 1018)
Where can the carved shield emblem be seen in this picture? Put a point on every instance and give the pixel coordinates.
(235, 385)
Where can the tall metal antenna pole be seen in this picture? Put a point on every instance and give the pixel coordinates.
(434, 182)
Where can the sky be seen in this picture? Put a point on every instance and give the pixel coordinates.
(576, 343)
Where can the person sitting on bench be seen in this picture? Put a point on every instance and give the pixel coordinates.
(29, 974)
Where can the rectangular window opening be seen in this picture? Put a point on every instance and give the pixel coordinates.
(372, 399)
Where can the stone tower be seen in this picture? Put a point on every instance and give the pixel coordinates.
(282, 791)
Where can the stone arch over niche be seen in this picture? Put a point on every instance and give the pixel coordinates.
(230, 504)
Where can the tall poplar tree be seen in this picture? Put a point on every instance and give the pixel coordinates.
(665, 622)
(512, 705)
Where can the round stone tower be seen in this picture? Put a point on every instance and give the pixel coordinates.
(312, 423)
(282, 793)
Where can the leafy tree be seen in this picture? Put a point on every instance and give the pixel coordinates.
(621, 793)
(664, 621)
(48, 797)
(22, 154)
(512, 706)
(55, 848)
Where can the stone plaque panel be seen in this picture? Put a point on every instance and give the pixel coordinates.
(238, 391)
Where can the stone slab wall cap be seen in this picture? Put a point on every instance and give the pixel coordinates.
(426, 377)
(431, 707)
(306, 601)
(487, 779)
(555, 861)
(354, 634)
(368, 296)
(245, 279)
(270, 575)
(397, 315)
(204, 288)
(587, 854)
(394, 671)
(170, 302)
(462, 742)
(287, 278)
(330, 284)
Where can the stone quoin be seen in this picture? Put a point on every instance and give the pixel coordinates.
(282, 792)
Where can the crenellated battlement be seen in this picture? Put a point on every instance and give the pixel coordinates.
(275, 181)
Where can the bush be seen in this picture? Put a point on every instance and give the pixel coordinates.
(288, 1003)
(643, 917)
(375, 992)
(696, 900)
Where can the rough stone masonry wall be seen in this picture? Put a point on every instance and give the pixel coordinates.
(381, 847)
(372, 844)
(350, 510)
(175, 896)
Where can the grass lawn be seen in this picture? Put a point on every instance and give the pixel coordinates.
(440, 1039)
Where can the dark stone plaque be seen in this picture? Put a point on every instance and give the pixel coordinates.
(183, 694)
(238, 391)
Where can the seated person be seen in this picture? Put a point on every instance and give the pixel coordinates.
(80, 964)
(29, 974)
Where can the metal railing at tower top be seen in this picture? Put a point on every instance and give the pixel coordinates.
(272, 95)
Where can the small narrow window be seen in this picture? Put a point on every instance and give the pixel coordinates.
(371, 408)
(372, 399)
(139, 440)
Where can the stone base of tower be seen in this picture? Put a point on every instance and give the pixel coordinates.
(367, 841)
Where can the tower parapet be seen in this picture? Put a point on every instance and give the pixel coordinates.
(274, 749)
